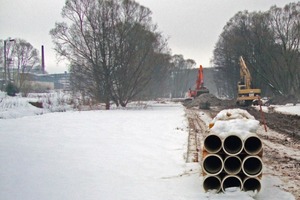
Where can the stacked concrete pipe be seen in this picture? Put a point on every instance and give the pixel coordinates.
(233, 160)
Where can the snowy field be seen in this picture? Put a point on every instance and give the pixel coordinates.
(121, 154)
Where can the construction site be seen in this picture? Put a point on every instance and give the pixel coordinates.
(210, 148)
(240, 156)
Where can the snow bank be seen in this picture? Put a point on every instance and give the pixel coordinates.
(234, 122)
(288, 109)
(15, 107)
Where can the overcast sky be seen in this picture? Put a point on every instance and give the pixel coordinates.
(193, 26)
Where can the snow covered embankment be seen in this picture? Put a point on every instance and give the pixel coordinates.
(15, 107)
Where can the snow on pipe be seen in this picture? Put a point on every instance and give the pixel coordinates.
(252, 144)
(212, 183)
(212, 143)
(232, 165)
(232, 145)
(252, 166)
(231, 181)
(212, 164)
(251, 184)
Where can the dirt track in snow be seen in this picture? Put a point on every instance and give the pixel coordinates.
(281, 148)
(281, 145)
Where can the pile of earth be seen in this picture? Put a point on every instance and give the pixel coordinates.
(209, 99)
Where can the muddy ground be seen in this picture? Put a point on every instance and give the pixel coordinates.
(281, 141)
(283, 123)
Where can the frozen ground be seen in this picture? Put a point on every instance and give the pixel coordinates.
(128, 154)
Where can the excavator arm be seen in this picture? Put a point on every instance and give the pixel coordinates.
(199, 81)
(245, 74)
(246, 94)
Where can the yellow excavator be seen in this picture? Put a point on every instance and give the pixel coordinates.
(246, 94)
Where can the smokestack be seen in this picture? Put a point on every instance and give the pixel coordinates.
(43, 60)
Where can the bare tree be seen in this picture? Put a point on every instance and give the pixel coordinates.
(269, 42)
(227, 51)
(109, 43)
(158, 86)
(285, 24)
(26, 57)
(21, 57)
(180, 75)
(138, 44)
(1, 55)
(6, 58)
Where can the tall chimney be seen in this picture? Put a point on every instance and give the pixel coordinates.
(43, 60)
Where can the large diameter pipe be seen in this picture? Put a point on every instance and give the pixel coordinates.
(232, 165)
(212, 164)
(212, 183)
(252, 166)
(233, 145)
(252, 144)
(212, 143)
(231, 181)
(251, 184)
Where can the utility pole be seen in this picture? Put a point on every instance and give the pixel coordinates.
(4, 50)
(5, 59)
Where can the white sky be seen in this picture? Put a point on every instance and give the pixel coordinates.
(193, 26)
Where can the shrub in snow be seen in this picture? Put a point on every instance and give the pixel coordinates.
(56, 102)
(34, 104)
(11, 89)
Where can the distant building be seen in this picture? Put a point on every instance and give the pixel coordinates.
(51, 81)
(35, 76)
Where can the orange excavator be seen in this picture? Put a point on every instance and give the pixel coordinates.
(200, 89)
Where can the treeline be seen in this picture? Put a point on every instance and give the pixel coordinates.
(269, 42)
(178, 76)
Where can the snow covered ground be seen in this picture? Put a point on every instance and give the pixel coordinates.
(284, 109)
(129, 154)
(288, 109)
